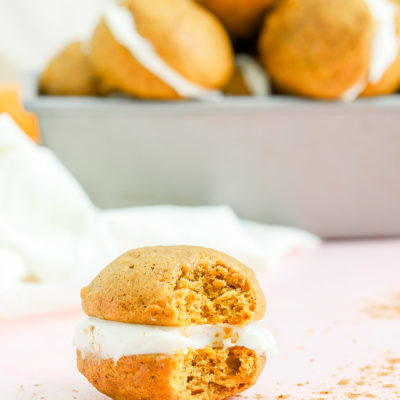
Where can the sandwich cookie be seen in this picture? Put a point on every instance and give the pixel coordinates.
(175, 322)
(333, 49)
(163, 49)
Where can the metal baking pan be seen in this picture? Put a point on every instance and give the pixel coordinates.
(328, 167)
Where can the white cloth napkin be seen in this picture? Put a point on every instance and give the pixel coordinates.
(52, 235)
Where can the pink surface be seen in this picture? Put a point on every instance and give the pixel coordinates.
(335, 312)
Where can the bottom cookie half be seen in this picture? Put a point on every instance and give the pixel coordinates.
(204, 374)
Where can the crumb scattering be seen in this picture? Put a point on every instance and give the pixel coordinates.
(385, 309)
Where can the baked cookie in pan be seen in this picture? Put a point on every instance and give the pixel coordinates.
(69, 73)
(332, 49)
(161, 49)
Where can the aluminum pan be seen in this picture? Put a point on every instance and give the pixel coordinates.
(328, 167)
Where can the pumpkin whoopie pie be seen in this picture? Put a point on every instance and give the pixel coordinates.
(161, 49)
(175, 322)
(241, 18)
(333, 49)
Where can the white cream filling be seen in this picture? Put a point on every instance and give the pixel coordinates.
(351, 94)
(110, 339)
(254, 76)
(384, 47)
(122, 25)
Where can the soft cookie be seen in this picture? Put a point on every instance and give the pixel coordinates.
(242, 18)
(69, 73)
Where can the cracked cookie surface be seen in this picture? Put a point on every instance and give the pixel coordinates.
(175, 286)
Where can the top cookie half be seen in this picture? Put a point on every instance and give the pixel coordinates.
(175, 286)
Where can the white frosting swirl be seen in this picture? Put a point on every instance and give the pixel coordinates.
(122, 25)
(254, 76)
(351, 94)
(110, 339)
(384, 47)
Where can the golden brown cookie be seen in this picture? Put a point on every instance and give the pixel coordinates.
(240, 18)
(327, 49)
(237, 86)
(183, 35)
(317, 48)
(175, 286)
(69, 73)
(204, 374)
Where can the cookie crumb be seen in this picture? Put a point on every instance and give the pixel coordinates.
(385, 309)
(353, 395)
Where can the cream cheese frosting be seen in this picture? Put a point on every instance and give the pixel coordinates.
(254, 75)
(122, 26)
(351, 94)
(384, 47)
(110, 339)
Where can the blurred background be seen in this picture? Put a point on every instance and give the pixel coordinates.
(275, 159)
(292, 157)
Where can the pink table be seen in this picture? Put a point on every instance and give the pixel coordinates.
(335, 312)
